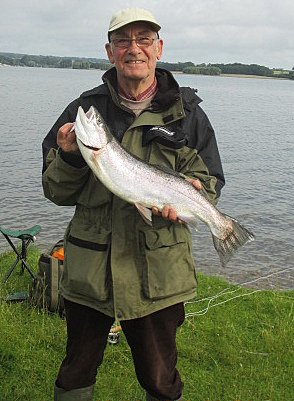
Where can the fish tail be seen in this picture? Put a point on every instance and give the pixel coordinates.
(237, 237)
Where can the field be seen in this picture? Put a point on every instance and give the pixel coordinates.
(239, 350)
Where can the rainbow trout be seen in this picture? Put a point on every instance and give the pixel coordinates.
(145, 185)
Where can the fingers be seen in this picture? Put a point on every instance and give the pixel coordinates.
(155, 211)
(196, 183)
(167, 213)
(66, 138)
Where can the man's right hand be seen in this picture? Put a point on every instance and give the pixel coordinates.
(66, 138)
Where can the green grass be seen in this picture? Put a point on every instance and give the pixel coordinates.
(239, 350)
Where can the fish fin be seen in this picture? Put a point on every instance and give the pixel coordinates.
(190, 221)
(145, 213)
(237, 237)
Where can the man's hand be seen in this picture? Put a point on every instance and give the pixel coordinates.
(168, 213)
(66, 138)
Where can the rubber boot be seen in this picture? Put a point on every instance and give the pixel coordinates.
(150, 398)
(79, 394)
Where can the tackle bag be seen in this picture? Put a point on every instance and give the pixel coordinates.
(45, 288)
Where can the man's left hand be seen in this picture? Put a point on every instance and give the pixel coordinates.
(168, 213)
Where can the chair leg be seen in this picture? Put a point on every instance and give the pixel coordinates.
(24, 245)
(20, 257)
(24, 252)
(8, 274)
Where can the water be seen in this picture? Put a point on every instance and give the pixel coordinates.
(253, 120)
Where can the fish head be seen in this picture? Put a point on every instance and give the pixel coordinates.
(90, 129)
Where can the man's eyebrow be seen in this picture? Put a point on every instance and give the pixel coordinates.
(140, 33)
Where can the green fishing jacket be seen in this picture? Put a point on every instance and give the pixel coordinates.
(114, 261)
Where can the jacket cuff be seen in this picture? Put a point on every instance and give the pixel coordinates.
(73, 159)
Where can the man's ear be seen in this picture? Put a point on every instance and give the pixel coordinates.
(159, 48)
(109, 52)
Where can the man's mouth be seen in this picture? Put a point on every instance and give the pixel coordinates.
(134, 61)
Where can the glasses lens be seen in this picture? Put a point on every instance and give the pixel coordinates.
(144, 41)
(122, 43)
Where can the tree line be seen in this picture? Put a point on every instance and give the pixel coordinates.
(188, 67)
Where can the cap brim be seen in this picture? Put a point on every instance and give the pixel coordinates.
(155, 26)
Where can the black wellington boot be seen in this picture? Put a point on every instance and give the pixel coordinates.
(79, 394)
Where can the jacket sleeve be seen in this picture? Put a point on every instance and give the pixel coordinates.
(208, 150)
(62, 182)
(64, 175)
(191, 165)
(201, 137)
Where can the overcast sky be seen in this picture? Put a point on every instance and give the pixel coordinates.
(201, 31)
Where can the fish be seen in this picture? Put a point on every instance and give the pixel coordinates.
(145, 185)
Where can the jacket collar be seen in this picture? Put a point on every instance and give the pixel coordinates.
(168, 90)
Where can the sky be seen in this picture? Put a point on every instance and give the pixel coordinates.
(201, 31)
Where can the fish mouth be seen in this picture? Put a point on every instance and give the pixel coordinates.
(89, 147)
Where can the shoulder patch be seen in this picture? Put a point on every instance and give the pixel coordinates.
(162, 130)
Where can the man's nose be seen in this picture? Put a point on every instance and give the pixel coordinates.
(133, 46)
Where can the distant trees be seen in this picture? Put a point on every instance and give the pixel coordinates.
(65, 63)
(244, 69)
(217, 69)
(80, 65)
(202, 70)
(6, 60)
(27, 60)
(175, 66)
(39, 61)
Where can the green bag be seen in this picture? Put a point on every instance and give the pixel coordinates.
(45, 288)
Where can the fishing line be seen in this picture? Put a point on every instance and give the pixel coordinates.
(227, 291)
(205, 310)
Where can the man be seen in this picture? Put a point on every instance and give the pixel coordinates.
(117, 266)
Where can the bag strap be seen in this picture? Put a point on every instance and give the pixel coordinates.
(54, 283)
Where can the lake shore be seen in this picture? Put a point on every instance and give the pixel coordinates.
(221, 75)
(248, 76)
(231, 75)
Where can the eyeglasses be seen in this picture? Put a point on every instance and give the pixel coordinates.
(125, 43)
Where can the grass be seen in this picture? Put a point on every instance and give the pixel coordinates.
(240, 350)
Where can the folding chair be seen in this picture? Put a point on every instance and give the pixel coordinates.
(26, 237)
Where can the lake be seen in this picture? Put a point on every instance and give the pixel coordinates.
(253, 120)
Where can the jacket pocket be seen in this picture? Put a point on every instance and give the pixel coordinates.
(86, 272)
(168, 264)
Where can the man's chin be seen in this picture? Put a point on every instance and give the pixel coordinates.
(136, 76)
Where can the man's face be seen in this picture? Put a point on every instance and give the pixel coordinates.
(135, 63)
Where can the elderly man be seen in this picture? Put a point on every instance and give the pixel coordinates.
(116, 266)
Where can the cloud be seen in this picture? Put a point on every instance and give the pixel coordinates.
(252, 31)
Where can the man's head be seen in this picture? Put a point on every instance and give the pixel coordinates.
(129, 16)
(134, 45)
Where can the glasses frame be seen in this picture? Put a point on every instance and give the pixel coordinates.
(129, 42)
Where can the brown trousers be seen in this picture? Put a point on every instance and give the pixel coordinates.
(152, 340)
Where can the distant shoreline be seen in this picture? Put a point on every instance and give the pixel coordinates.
(229, 75)
(248, 76)
(203, 75)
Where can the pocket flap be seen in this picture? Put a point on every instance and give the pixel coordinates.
(166, 236)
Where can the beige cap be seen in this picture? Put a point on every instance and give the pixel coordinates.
(129, 15)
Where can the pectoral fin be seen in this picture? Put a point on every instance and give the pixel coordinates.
(145, 213)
